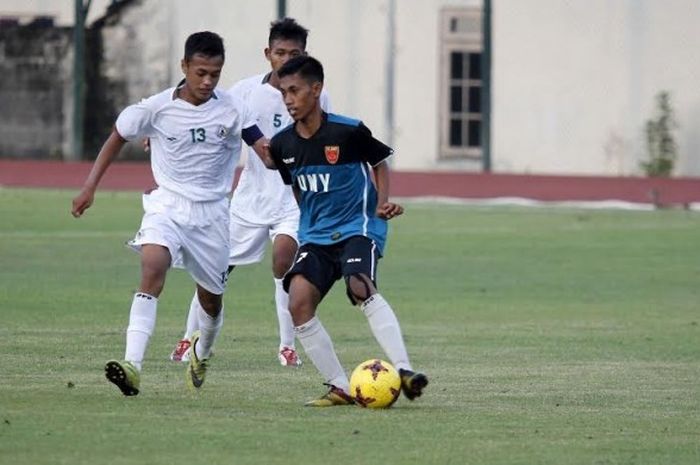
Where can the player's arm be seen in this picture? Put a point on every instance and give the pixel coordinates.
(376, 154)
(262, 149)
(255, 139)
(385, 208)
(108, 153)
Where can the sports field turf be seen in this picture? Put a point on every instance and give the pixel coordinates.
(551, 336)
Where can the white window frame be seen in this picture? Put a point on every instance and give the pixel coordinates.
(465, 41)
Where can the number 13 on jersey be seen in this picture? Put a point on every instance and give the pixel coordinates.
(198, 135)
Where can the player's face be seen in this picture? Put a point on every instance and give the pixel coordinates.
(281, 51)
(300, 96)
(201, 77)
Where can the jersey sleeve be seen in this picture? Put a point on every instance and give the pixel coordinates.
(242, 88)
(282, 168)
(238, 90)
(135, 121)
(326, 102)
(370, 149)
(250, 132)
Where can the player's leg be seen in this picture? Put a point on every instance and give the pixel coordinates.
(179, 353)
(359, 263)
(155, 241)
(284, 248)
(307, 282)
(246, 245)
(205, 254)
(155, 261)
(210, 315)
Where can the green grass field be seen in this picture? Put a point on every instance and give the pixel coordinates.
(551, 336)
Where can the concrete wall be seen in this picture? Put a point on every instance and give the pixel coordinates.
(132, 55)
(34, 83)
(63, 11)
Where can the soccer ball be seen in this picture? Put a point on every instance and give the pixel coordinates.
(375, 384)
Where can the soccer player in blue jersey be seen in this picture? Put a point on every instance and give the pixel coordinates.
(342, 230)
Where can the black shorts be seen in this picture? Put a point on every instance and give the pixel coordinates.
(323, 265)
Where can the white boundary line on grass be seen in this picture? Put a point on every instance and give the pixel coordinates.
(87, 234)
(524, 202)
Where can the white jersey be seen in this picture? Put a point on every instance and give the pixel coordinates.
(260, 196)
(194, 148)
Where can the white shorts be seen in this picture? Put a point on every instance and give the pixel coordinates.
(248, 240)
(195, 233)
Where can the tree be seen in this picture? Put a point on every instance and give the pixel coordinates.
(661, 145)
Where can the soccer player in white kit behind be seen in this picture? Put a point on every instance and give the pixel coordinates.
(195, 134)
(263, 207)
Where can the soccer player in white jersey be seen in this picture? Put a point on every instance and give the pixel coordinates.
(195, 136)
(263, 207)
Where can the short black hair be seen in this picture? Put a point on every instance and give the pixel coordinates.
(307, 67)
(206, 43)
(288, 29)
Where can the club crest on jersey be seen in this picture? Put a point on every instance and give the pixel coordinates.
(332, 153)
(222, 132)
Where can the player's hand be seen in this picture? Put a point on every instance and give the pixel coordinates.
(388, 210)
(82, 202)
(147, 145)
(262, 148)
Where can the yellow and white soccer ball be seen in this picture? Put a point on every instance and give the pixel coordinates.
(375, 384)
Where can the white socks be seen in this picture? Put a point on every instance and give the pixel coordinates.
(142, 320)
(385, 327)
(192, 317)
(319, 348)
(284, 318)
(386, 330)
(209, 328)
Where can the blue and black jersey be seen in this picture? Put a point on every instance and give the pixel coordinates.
(331, 171)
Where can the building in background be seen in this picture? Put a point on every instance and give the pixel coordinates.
(572, 82)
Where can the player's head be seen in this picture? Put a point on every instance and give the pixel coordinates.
(287, 40)
(202, 64)
(306, 67)
(301, 83)
(208, 44)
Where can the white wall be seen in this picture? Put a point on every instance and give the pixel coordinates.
(348, 37)
(574, 82)
(244, 26)
(417, 85)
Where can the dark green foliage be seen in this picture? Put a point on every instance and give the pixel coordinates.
(661, 145)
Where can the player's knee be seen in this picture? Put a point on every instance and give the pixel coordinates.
(303, 300)
(359, 287)
(281, 266)
(301, 311)
(152, 283)
(282, 261)
(211, 303)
